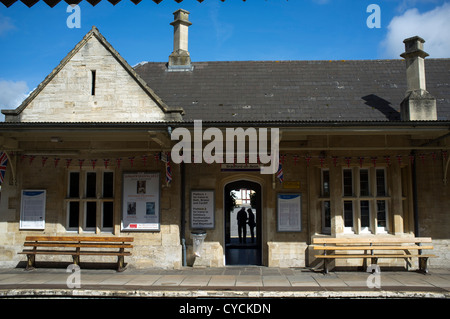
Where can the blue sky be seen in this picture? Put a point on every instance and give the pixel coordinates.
(34, 40)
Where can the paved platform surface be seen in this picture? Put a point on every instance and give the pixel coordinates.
(227, 282)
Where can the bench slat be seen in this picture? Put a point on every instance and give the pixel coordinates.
(395, 240)
(372, 256)
(79, 239)
(83, 245)
(372, 247)
(74, 253)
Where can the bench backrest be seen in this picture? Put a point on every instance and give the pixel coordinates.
(79, 239)
(348, 241)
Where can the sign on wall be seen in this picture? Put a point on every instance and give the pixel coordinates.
(32, 209)
(202, 209)
(140, 201)
(289, 212)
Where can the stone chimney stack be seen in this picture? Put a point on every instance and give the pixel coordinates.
(418, 104)
(180, 59)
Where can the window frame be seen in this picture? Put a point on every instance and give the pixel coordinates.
(84, 201)
(325, 198)
(372, 197)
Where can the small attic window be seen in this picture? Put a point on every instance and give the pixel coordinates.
(93, 82)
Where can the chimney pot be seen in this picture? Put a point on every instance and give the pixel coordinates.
(418, 103)
(180, 59)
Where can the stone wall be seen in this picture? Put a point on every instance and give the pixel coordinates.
(68, 97)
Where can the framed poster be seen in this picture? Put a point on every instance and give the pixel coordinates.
(289, 212)
(32, 209)
(140, 201)
(202, 209)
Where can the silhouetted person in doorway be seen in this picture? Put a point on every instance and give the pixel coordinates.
(251, 223)
(242, 224)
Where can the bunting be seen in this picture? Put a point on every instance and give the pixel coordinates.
(318, 160)
(280, 173)
(3, 164)
(168, 170)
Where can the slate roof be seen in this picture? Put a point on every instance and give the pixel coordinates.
(355, 90)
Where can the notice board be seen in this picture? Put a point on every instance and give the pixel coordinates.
(32, 209)
(140, 201)
(202, 209)
(289, 212)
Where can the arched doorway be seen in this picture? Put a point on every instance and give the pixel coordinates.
(240, 249)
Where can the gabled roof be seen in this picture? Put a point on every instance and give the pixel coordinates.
(355, 90)
(94, 32)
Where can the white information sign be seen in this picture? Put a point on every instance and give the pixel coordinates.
(32, 209)
(140, 201)
(289, 208)
(202, 209)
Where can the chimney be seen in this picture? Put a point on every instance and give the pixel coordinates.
(418, 104)
(180, 59)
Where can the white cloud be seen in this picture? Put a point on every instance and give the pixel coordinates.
(12, 94)
(223, 30)
(5, 25)
(433, 26)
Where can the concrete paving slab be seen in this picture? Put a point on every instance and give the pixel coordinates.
(354, 280)
(93, 279)
(249, 281)
(222, 281)
(143, 280)
(302, 281)
(11, 278)
(438, 281)
(275, 281)
(330, 281)
(196, 280)
(117, 280)
(41, 279)
(411, 280)
(170, 280)
(389, 281)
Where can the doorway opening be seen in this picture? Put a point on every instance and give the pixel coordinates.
(243, 238)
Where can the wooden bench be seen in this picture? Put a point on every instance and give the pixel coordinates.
(77, 246)
(374, 248)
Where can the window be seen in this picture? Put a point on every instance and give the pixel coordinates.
(365, 200)
(95, 208)
(348, 215)
(364, 185)
(381, 182)
(365, 216)
(326, 203)
(325, 183)
(381, 214)
(348, 182)
(93, 75)
(326, 217)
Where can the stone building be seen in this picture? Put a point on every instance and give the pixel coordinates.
(363, 151)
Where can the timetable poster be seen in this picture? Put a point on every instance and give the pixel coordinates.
(32, 209)
(140, 210)
(289, 208)
(202, 209)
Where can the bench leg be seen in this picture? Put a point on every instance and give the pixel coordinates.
(76, 259)
(374, 260)
(423, 264)
(325, 266)
(120, 263)
(31, 259)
